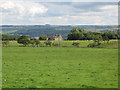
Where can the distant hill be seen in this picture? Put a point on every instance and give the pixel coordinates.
(37, 30)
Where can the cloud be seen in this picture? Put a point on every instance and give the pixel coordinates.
(80, 8)
(22, 8)
(75, 20)
(107, 10)
(27, 12)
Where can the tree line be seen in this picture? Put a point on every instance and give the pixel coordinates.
(81, 34)
(75, 34)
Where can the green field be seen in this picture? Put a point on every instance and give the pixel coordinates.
(83, 43)
(59, 67)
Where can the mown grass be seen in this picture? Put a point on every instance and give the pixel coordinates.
(59, 67)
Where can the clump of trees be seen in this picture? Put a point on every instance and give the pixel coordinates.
(81, 34)
(48, 43)
(34, 42)
(75, 34)
(37, 42)
(25, 40)
(5, 43)
(43, 37)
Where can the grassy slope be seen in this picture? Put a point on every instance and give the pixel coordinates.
(26, 67)
(7, 32)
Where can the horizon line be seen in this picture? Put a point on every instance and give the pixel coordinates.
(57, 24)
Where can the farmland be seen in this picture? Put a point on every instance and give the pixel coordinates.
(54, 44)
(37, 30)
(83, 43)
(60, 67)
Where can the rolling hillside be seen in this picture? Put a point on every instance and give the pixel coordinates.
(37, 30)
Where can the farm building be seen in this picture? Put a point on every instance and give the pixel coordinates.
(34, 38)
(56, 37)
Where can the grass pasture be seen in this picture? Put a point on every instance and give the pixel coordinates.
(62, 43)
(59, 67)
(83, 43)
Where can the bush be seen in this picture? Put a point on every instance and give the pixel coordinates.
(23, 40)
(56, 44)
(48, 43)
(32, 42)
(5, 43)
(37, 42)
(91, 45)
(43, 37)
(76, 44)
(94, 44)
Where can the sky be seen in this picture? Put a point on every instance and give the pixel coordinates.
(71, 12)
